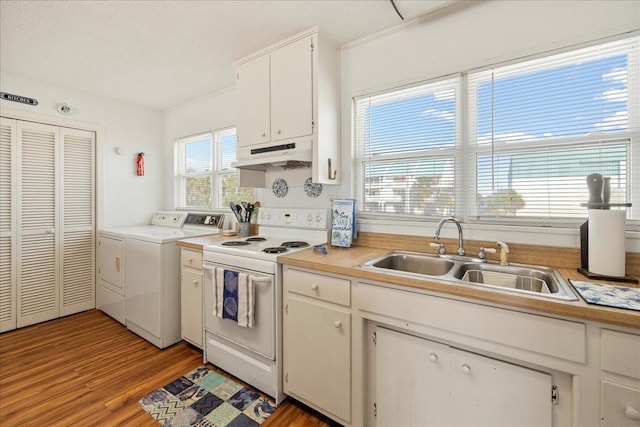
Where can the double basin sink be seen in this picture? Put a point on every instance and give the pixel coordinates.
(521, 279)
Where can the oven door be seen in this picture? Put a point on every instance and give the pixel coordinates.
(261, 337)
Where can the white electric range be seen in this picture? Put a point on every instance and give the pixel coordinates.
(254, 354)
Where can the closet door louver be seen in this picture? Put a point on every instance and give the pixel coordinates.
(7, 226)
(37, 240)
(78, 213)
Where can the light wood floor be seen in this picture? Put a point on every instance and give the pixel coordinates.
(89, 370)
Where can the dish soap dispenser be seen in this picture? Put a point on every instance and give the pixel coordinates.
(504, 251)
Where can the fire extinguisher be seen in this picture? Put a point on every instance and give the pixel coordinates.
(140, 164)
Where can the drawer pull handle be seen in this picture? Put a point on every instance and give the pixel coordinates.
(632, 413)
(190, 260)
(337, 324)
(314, 287)
(466, 369)
(195, 283)
(433, 357)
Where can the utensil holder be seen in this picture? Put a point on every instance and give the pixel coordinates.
(244, 229)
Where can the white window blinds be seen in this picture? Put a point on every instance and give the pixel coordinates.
(533, 131)
(406, 144)
(538, 128)
(203, 173)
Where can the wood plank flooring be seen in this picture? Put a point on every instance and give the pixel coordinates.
(89, 370)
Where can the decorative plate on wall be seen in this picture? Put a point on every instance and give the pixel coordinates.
(279, 187)
(312, 189)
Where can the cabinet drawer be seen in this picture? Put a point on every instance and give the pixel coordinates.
(326, 288)
(620, 405)
(191, 259)
(620, 353)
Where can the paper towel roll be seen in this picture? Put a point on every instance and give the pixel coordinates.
(606, 242)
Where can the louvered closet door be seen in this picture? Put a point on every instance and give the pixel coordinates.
(7, 226)
(78, 213)
(38, 275)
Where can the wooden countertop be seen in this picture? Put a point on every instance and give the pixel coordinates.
(198, 243)
(346, 261)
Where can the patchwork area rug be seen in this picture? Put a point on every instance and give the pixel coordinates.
(205, 398)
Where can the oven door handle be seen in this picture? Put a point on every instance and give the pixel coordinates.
(255, 279)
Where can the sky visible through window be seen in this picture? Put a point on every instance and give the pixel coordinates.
(569, 100)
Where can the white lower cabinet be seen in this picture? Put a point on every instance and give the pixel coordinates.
(424, 383)
(317, 342)
(191, 297)
(620, 405)
(620, 356)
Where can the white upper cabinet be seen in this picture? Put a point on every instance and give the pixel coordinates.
(253, 118)
(288, 109)
(291, 90)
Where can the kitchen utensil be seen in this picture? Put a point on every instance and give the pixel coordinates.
(236, 211)
(245, 213)
(250, 209)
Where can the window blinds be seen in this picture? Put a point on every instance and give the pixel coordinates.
(533, 131)
(406, 143)
(538, 128)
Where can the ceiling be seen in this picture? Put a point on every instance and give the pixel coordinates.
(164, 53)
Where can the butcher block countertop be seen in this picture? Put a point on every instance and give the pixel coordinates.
(346, 261)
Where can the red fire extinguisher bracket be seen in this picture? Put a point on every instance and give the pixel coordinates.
(140, 164)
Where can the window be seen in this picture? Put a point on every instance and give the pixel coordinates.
(406, 149)
(204, 176)
(534, 131)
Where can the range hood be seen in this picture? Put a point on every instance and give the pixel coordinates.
(272, 155)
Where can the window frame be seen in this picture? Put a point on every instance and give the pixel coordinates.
(466, 149)
(216, 174)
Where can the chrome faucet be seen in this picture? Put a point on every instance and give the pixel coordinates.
(461, 251)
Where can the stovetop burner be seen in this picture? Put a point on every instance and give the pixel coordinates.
(295, 244)
(236, 243)
(255, 239)
(275, 250)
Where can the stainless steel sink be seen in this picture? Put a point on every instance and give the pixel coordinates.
(411, 262)
(529, 279)
(518, 278)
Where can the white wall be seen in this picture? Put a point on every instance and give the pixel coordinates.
(483, 33)
(123, 197)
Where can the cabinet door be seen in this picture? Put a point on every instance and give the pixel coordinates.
(488, 392)
(191, 310)
(252, 84)
(317, 362)
(38, 224)
(111, 262)
(412, 377)
(620, 405)
(7, 226)
(77, 219)
(292, 90)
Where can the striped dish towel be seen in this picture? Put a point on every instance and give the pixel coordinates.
(233, 297)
